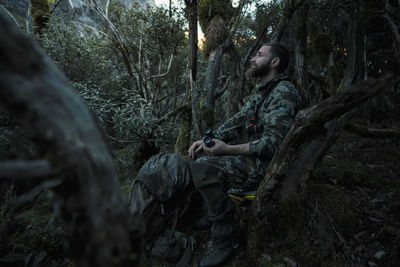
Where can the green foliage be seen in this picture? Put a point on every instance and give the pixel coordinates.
(82, 58)
(92, 61)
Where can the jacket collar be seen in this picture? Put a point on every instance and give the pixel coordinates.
(272, 82)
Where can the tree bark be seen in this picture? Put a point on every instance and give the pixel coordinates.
(301, 48)
(191, 10)
(351, 69)
(96, 216)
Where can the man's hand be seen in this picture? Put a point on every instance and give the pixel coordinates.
(219, 148)
(196, 147)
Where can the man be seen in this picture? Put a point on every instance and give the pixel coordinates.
(257, 131)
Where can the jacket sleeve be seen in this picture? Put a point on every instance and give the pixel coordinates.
(278, 113)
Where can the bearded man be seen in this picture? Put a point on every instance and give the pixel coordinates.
(242, 148)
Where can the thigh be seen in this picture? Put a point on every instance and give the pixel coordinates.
(240, 172)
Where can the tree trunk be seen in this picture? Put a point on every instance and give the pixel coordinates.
(191, 9)
(96, 217)
(314, 131)
(290, 7)
(40, 12)
(211, 84)
(351, 72)
(301, 49)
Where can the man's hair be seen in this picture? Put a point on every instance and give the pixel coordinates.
(280, 51)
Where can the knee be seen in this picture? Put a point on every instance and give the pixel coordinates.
(203, 173)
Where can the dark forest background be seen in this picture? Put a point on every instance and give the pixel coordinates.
(152, 87)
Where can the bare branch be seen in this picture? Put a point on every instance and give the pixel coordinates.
(172, 113)
(55, 6)
(167, 71)
(33, 193)
(23, 169)
(367, 132)
(10, 15)
(122, 141)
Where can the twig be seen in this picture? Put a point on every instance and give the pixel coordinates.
(121, 141)
(59, 1)
(341, 239)
(364, 131)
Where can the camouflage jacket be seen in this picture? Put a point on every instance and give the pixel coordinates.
(273, 107)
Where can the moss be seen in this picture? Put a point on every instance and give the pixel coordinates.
(126, 188)
(40, 12)
(208, 9)
(215, 34)
(184, 137)
(183, 141)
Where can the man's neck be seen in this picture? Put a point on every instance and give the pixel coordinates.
(265, 79)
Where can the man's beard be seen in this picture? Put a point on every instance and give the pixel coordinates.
(258, 71)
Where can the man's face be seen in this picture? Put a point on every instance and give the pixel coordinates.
(261, 63)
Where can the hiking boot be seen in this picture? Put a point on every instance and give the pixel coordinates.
(218, 252)
(204, 223)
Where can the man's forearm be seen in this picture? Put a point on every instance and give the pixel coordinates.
(241, 149)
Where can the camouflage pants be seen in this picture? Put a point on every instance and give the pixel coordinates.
(213, 176)
(239, 172)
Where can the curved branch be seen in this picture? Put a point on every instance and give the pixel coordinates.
(168, 68)
(366, 132)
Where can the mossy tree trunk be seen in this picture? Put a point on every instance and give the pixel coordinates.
(99, 229)
(184, 137)
(40, 12)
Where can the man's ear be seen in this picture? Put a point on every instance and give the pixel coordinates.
(275, 62)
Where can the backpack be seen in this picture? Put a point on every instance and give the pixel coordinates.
(160, 194)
